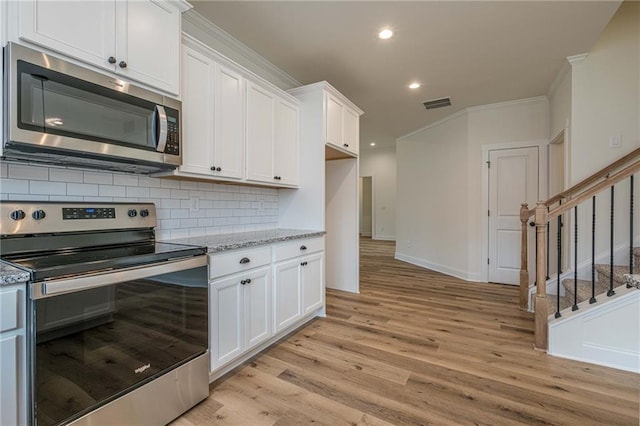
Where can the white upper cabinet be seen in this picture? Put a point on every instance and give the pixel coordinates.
(228, 150)
(138, 39)
(342, 126)
(236, 127)
(285, 158)
(261, 106)
(197, 112)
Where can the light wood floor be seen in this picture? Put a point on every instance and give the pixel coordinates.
(417, 347)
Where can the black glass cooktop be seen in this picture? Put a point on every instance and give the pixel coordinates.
(88, 260)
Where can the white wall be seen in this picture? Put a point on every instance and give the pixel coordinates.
(431, 198)
(222, 208)
(440, 215)
(380, 164)
(606, 95)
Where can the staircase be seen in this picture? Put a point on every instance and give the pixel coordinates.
(584, 287)
(593, 319)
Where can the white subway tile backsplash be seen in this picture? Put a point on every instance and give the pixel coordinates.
(84, 189)
(19, 171)
(222, 208)
(111, 191)
(66, 175)
(103, 178)
(46, 188)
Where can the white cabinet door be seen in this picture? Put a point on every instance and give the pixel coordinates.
(10, 389)
(285, 156)
(312, 283)
(260, 134)
(228, 153)
(351, 130)
(257, 307)
(226, 320)
(197, 112)
(84, 30)
(287, 294)
(148, 42)
(334, 124)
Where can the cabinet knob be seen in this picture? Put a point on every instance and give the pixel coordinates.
(248, 280)
(303, 247)
(244, 260)
(243, 282)
(277, 177)
(303, 264)
(346, 145)
(122, 64)
(111, 60)
(218, 169)
(213, 168)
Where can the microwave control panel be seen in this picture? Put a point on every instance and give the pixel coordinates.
(173, 137)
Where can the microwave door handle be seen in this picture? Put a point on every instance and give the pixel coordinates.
(161, 143)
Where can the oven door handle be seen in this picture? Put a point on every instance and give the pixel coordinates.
(41, 290)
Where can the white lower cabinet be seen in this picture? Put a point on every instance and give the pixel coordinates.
(258, 293)
(13, 386)
(240, 314)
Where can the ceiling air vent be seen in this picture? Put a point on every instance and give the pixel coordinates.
(437, 103)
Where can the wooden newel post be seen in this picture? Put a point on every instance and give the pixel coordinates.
(524, 255)
(541, 320)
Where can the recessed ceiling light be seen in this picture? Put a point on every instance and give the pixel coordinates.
(385, 34)
(414, 85)
(372, 144)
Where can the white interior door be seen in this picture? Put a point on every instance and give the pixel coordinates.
(513, 179)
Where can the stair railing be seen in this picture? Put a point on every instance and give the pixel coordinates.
(554, 208)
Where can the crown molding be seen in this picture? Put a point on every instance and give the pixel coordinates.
(508, 103)
(325, 85)
(200, 28)
(474, 109)
(564, 70)
(576, 59)
(453, 116)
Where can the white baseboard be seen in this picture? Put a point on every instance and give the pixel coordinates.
(454, 272)
(384, 237)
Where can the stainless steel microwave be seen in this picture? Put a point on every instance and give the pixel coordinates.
(60, 113)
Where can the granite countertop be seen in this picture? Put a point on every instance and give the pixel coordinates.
(222, 242)
(9, 274)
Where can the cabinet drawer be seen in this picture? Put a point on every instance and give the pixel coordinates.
(9, 310)
(227, 263)
(295, 248)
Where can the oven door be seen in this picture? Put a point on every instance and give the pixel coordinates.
(96, 338)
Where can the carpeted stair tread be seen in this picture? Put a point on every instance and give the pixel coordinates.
(584, 289)
(552, 299)
(604, 273)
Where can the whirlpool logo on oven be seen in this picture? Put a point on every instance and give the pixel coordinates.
(142, 369)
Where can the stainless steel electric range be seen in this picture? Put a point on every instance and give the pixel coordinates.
(118, 322)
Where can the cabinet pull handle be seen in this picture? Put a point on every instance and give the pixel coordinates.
(122, 64)
(303, 247)
(111, 60)
(244, 260)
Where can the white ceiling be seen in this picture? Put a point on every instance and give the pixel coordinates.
(476, 52)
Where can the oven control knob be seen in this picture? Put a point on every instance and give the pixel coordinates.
(144, 213)
(17, 215)
(132, 213)
(38, 215)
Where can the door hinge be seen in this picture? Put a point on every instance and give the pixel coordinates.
(488, 262)
(489, 164)
(488, 212)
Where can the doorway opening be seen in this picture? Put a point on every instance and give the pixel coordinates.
(366, 206)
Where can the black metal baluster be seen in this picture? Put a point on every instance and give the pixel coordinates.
(593, 251)
(611, 292)
(559, 260)
(575, 260)
(630, 226)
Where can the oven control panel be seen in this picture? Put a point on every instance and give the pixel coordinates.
(26, 217)
(88, 213)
